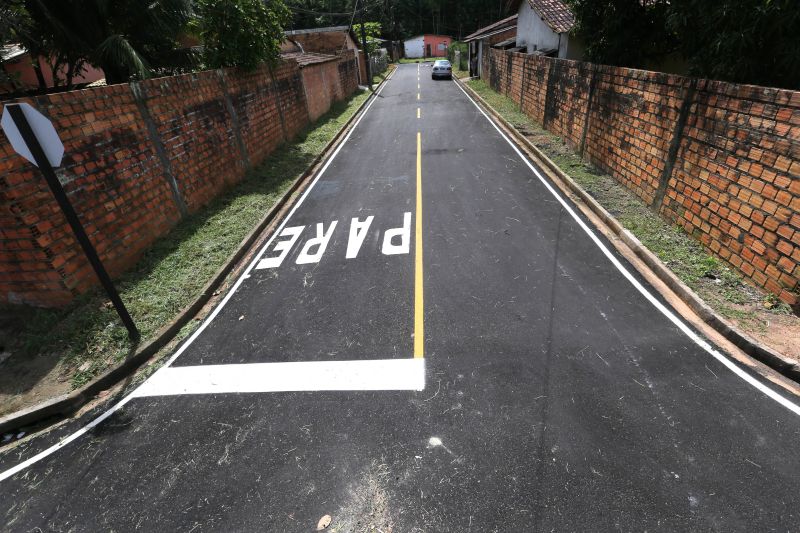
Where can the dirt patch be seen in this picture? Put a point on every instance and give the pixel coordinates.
(25, 378)
(368, 508)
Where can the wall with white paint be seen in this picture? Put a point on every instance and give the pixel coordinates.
(415, 47)
(535, 34)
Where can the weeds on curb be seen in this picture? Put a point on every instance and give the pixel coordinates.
(716, 283)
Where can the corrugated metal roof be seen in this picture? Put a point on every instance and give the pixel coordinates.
(501, 25)
(318, 30)
(11, 51)
(308, 58)
(555, 13)
(489, 34)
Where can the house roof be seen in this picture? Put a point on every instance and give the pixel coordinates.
(318, 30)
(328, 40)
(304, 59)
(11, 51)
(555, 13)
(495, 27)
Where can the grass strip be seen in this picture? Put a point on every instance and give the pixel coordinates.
(88, 336)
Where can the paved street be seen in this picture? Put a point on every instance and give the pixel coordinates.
(431, 341)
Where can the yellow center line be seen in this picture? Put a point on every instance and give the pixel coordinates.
(417, 96)
(417, 112)
(419, 319)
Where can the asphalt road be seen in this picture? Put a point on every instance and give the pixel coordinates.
(469, 359)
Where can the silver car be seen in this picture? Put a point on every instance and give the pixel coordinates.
(442, 69)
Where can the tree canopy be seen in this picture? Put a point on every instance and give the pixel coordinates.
(403, 18)
(746, 41)
(240, 33)
(126, 38)
(130, 39)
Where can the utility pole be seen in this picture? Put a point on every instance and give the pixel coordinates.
(364, 45)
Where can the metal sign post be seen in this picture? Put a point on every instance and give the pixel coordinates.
(33, 136)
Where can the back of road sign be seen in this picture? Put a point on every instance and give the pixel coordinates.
(42, 128)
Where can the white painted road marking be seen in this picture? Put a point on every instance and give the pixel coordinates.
(320, 242)
(362, 375)
(652, 299)
(389, 248)
(210, 318)
(357, 234)
(284, 247)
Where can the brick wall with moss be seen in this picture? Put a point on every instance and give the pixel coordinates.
(138, 158)
(720, 160)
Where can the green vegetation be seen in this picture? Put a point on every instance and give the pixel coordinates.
(400, 19)
(418, 60)
(127, 40)
(89, 336)
(132, 40)
(717, 284)
(372, 31)
(240, 33)
(746, 41)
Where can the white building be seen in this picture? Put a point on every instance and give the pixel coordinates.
(543, 27)
(415, 47)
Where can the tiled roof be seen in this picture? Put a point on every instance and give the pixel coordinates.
(555, 13)
(500, 24)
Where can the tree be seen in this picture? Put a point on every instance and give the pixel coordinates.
(747, 41)
(631, 33)
(128, 39)
(241, 33)
(373, 33)
(404, 18)
(14, 23)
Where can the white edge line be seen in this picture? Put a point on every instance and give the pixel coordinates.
(116, 407)
(666, 312)
(298, 376)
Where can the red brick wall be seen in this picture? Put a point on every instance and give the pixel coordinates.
(128, 178)
(632, 119)
(323, 87)
(719, 159)
(348, 71)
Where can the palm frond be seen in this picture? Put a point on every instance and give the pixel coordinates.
(118, 51)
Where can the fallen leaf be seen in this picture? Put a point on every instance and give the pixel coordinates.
(85, 366)
(324, 522)
(241, 317)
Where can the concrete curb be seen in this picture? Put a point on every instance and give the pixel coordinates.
(747, 344)
(68, 404)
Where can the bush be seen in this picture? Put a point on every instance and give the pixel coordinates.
(241, 33)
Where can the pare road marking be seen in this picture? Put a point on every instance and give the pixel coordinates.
(395, 241)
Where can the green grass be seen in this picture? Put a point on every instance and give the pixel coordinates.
(715, 282)
(88, 335)
(420, 60)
